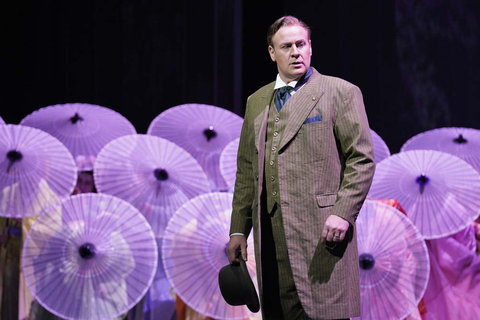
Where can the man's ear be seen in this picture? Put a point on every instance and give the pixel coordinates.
(310, 47)
(272, 53)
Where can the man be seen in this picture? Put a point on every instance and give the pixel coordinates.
(304, 168)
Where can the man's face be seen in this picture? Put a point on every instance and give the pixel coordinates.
(292, 51)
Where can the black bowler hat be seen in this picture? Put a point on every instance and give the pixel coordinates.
(237, 287)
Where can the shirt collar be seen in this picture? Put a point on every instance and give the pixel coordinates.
(279, 83)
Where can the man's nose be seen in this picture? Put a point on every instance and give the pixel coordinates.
(295, 51)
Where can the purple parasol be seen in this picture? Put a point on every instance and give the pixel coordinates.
(83, 128)
(439, 192)
(194, 252)
(394, 262)
(159, 300)
(36, 171)
(1, 121)
(203, 130)
(461, 142)
(380, 148)
(91, 256)
(153, 174)
(228, 163)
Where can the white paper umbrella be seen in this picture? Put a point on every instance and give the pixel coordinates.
(83, 128)
(461, 142)
(394, 263)
(228, 163)
(193, 253)
(36, 171)
(203, 130)
(153, 174)
(439, 192)
(380, 148)
(91, 256)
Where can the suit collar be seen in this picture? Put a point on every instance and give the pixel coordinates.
(301, 104)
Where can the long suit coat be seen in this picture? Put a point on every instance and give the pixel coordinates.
(324, 167)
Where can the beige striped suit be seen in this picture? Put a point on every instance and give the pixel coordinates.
(324, 167)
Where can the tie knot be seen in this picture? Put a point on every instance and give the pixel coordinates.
(285, 89)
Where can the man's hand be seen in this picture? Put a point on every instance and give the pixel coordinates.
(236, 243)
(335, 229)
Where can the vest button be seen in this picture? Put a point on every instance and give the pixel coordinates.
(274, 193)
(275, 134)
(272, 163)
(272, 178)
(277, 119)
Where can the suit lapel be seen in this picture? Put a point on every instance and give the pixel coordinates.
(260, 123)
(299, 107)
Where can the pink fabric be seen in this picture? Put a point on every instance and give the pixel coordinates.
(453, 290)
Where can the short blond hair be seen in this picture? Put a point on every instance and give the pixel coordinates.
(285, 21)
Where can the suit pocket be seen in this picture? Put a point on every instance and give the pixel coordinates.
(326, 200)
(317, 118)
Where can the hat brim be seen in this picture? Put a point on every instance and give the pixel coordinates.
(255, 305)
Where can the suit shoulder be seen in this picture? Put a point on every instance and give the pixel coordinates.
(262, 91)
(337, 83)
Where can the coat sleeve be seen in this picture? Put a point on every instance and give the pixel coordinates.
(356, 153)
(244, 192)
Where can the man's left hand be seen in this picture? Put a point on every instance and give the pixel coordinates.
(335, 229)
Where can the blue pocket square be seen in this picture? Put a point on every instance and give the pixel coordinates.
(317, 118)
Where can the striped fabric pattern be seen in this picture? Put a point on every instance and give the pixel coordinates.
(324, 167)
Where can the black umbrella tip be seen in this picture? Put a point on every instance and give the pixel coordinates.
(76, 118)
(366, 261)
(460, 139)
(14, 155)
(422, 179)
(161, 174)
(87, 251)
(209, 133)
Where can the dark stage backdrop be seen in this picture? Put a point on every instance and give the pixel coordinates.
(415, 61)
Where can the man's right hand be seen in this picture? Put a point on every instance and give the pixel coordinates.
(236, 243)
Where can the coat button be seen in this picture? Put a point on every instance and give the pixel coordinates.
(277, 119)
(272, 178)
(313, 98)
(275, 134)
(256, 177)
(274, 193)
(272, 163)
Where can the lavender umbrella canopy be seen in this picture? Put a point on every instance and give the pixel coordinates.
(203, 130)
(439, 192)
(36, 171)
(394, 262)
(380, 148)
(1, 121)
(193, 253)
(461, 142)
(91, 256)
(153, 174)
(228, 163)
(83, 128)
